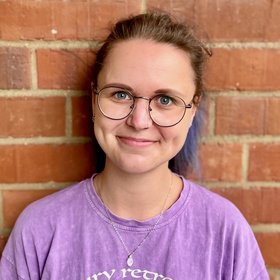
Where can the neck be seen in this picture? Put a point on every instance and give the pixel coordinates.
(137, 196)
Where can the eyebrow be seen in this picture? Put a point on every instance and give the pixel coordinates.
(158, 91)
(118, 85)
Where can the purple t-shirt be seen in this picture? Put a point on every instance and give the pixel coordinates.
(68, 235)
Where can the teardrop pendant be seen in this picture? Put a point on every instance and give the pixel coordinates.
(129, 261)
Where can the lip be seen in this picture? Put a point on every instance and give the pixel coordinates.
(136, 142)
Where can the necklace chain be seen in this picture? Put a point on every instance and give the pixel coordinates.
(129, 259)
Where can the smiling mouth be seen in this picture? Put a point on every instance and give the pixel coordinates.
(136, 142)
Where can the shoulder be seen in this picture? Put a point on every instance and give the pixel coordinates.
(53, 207)
(37, 228)
(213, 205)
(218, 216)
(222, 224)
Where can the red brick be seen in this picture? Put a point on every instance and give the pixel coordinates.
(221, 162)
(44, 163)
(239, 115)
(32, 116)
(51, 20)
(64, 69)
(244, 69)
(270, 247)
(264, 162)
(14, 201)
(15, 70)
(272, 124)
(247, 115)
(82, 116)
(267, 199)
(3, 241)
(229, 20)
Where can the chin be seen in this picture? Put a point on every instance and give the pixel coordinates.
(137, 171)
(135, 166)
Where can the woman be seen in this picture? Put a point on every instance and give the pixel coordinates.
(136, 218)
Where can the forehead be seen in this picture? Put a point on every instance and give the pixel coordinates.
(145, 63)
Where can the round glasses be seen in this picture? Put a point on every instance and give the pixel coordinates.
(118, 103)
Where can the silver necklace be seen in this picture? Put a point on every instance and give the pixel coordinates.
(129, 259)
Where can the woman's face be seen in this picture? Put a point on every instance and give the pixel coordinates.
(136, 144)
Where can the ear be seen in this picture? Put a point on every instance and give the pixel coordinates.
(196, 100)
(193, 112)
(196, 103)
(93, 95)
(93, 100)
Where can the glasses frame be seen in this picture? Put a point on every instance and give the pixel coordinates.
(149, 99)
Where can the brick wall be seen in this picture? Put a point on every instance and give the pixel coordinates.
(45, 58)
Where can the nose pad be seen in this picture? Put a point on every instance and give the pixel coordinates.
(138, 118)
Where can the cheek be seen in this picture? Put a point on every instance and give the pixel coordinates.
(97, 133)
(100, 127)
(104, 128)
(102, 133)
(176, 135)
(180, 132)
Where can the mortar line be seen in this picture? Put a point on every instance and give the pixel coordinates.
(87, 43)
(40, 44)
(41, 93)
(272, 227)
(5, 231)
(143, 7)
(244, 93)
(275, 272)
(35, 186)
(240, 185)
(44, 140)
(237, 139)
(34, 80)
(245, 45)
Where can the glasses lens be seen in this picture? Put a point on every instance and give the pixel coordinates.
(115, 103)
(167, 110)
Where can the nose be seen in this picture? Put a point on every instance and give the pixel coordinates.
(140, 116)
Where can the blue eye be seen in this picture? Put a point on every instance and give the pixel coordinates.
(122, 95)
(165, 100)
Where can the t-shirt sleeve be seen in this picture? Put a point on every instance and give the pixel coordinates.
(248, 260)
(234, 243)
(249, 263)
(32, 239)
(19, 259)
(8, 270)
